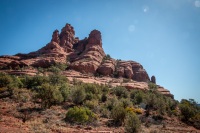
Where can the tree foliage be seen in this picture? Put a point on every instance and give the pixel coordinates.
(121, 92)
(49, 95)
(78, 95)
(132, 123)
(118, 114)
(5, 80)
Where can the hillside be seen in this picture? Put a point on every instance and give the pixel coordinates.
(72, 85)
(85, 56)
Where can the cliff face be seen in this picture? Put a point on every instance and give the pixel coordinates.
(88, 58)
(85, 56)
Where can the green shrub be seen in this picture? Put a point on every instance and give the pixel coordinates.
(65, 91)
(34, 82)
(111, 103)
(161, 106)
(91, 88)
(151, 100)
(16, 83)
(78, 95)
(57, 79)
(137, 96)
(120, 92)
(61, 66)
(93, 104)
(5, 80)
(125, 102)
(103, 98)
(152, 86)
(196, 121)
(187, 110)
(118, 114)
(49, 95)
(132, 123)
(174, 112)
(105, 89)
(105, 113)
(21, 95)
(54, 69)
(57, 68)
(80, 115)
(90, 96)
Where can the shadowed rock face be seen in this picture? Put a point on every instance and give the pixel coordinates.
(85, 56)
(55, 37)
(153, 79)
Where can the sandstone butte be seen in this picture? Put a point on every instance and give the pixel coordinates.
(84, 57)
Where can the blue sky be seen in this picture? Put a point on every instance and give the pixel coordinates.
(162, 35)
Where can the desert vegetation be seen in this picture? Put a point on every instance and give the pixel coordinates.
(89, 104)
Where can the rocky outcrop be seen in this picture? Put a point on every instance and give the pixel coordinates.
(85, 56)
(164, 91)
(91, 57)
(67, 38)
(131, 70)
(124, 69)
(6, 60)
(44, 57)
(55, 37)
(139, 73)
(153, 79)
(107, 68)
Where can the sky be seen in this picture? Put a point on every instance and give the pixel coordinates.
(162, 35)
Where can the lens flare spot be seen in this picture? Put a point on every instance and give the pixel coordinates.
(197, 3)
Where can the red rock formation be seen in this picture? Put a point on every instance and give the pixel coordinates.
(67, 38)
(85, 56)
(164, 91)
(124, 69)
(55, 37)
(107, 68)
(44, 57)
(140, 74)
(51, 49)
(153, 79)
(91, 56)
(94, 38)
(132, 70)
